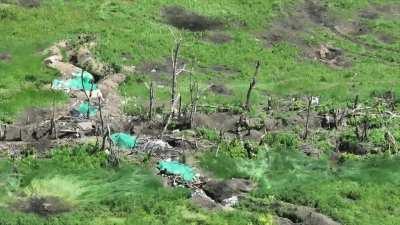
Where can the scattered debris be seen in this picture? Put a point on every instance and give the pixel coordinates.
(331, 56)
(200, 198)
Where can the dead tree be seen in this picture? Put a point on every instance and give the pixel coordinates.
(171, 115)
(365, 127)
(308, 118)
(175, 54)
(194, 97)
(151, 101)
(103, 134)
(113, 157)
(84, 91)
(174, 97)
(53, 127)
(252, 85)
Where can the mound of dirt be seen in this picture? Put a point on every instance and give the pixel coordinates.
(181, 18)
(331, 56)
(160, 71)
(222, 190)
(220, 89)
(5, 56)
(218, 121)
(220, 70)
(218, 37)
(352, 28)
(29, 3)
(43, 206)
(301, 215)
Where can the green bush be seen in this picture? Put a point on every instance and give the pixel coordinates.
(282, 141)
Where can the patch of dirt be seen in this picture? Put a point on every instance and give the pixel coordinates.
(297, 22)
(387, 39)
(218, 121)
(370, 14)
(301, 215)
(220, 89)
(353, 148)
(331, 56)
(24, 3)
(222, 190)
(218, 37)
(33, 116)
(388, 10)
(220, 69)
(43, 206)
(352, 28)
(159, 71)
(181, 18)
(293, 26)
(5, 56)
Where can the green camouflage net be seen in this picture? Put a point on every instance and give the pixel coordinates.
(85, 107)
(124, 141)
(176, 168)
(75, 83)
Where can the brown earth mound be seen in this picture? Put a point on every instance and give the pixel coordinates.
(5, 56)
(43, 206)
(181, 18)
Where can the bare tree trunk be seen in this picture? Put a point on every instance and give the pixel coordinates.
(308, 118)
(194, 95)
(84, 91)
(174, 69)
(365, 128)
(103, 135)
(151, 103)
(252, 85)
(180, 107)
(53, 127)
(355, 105)
(174, 105)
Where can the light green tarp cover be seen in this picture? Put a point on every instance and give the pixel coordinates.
(84, 107)
(75, 83)
(123, 140)
(174, 167)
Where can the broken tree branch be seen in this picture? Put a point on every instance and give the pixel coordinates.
(252, 85)
(151, 100)
(308, 118)
(170, 116)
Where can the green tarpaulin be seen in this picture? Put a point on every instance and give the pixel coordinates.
(75, 83)
(123, 140)
(174, 167)
(85, 107)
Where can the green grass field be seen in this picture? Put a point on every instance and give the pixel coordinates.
(353, 190)
(136, 28)
(96, 194)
